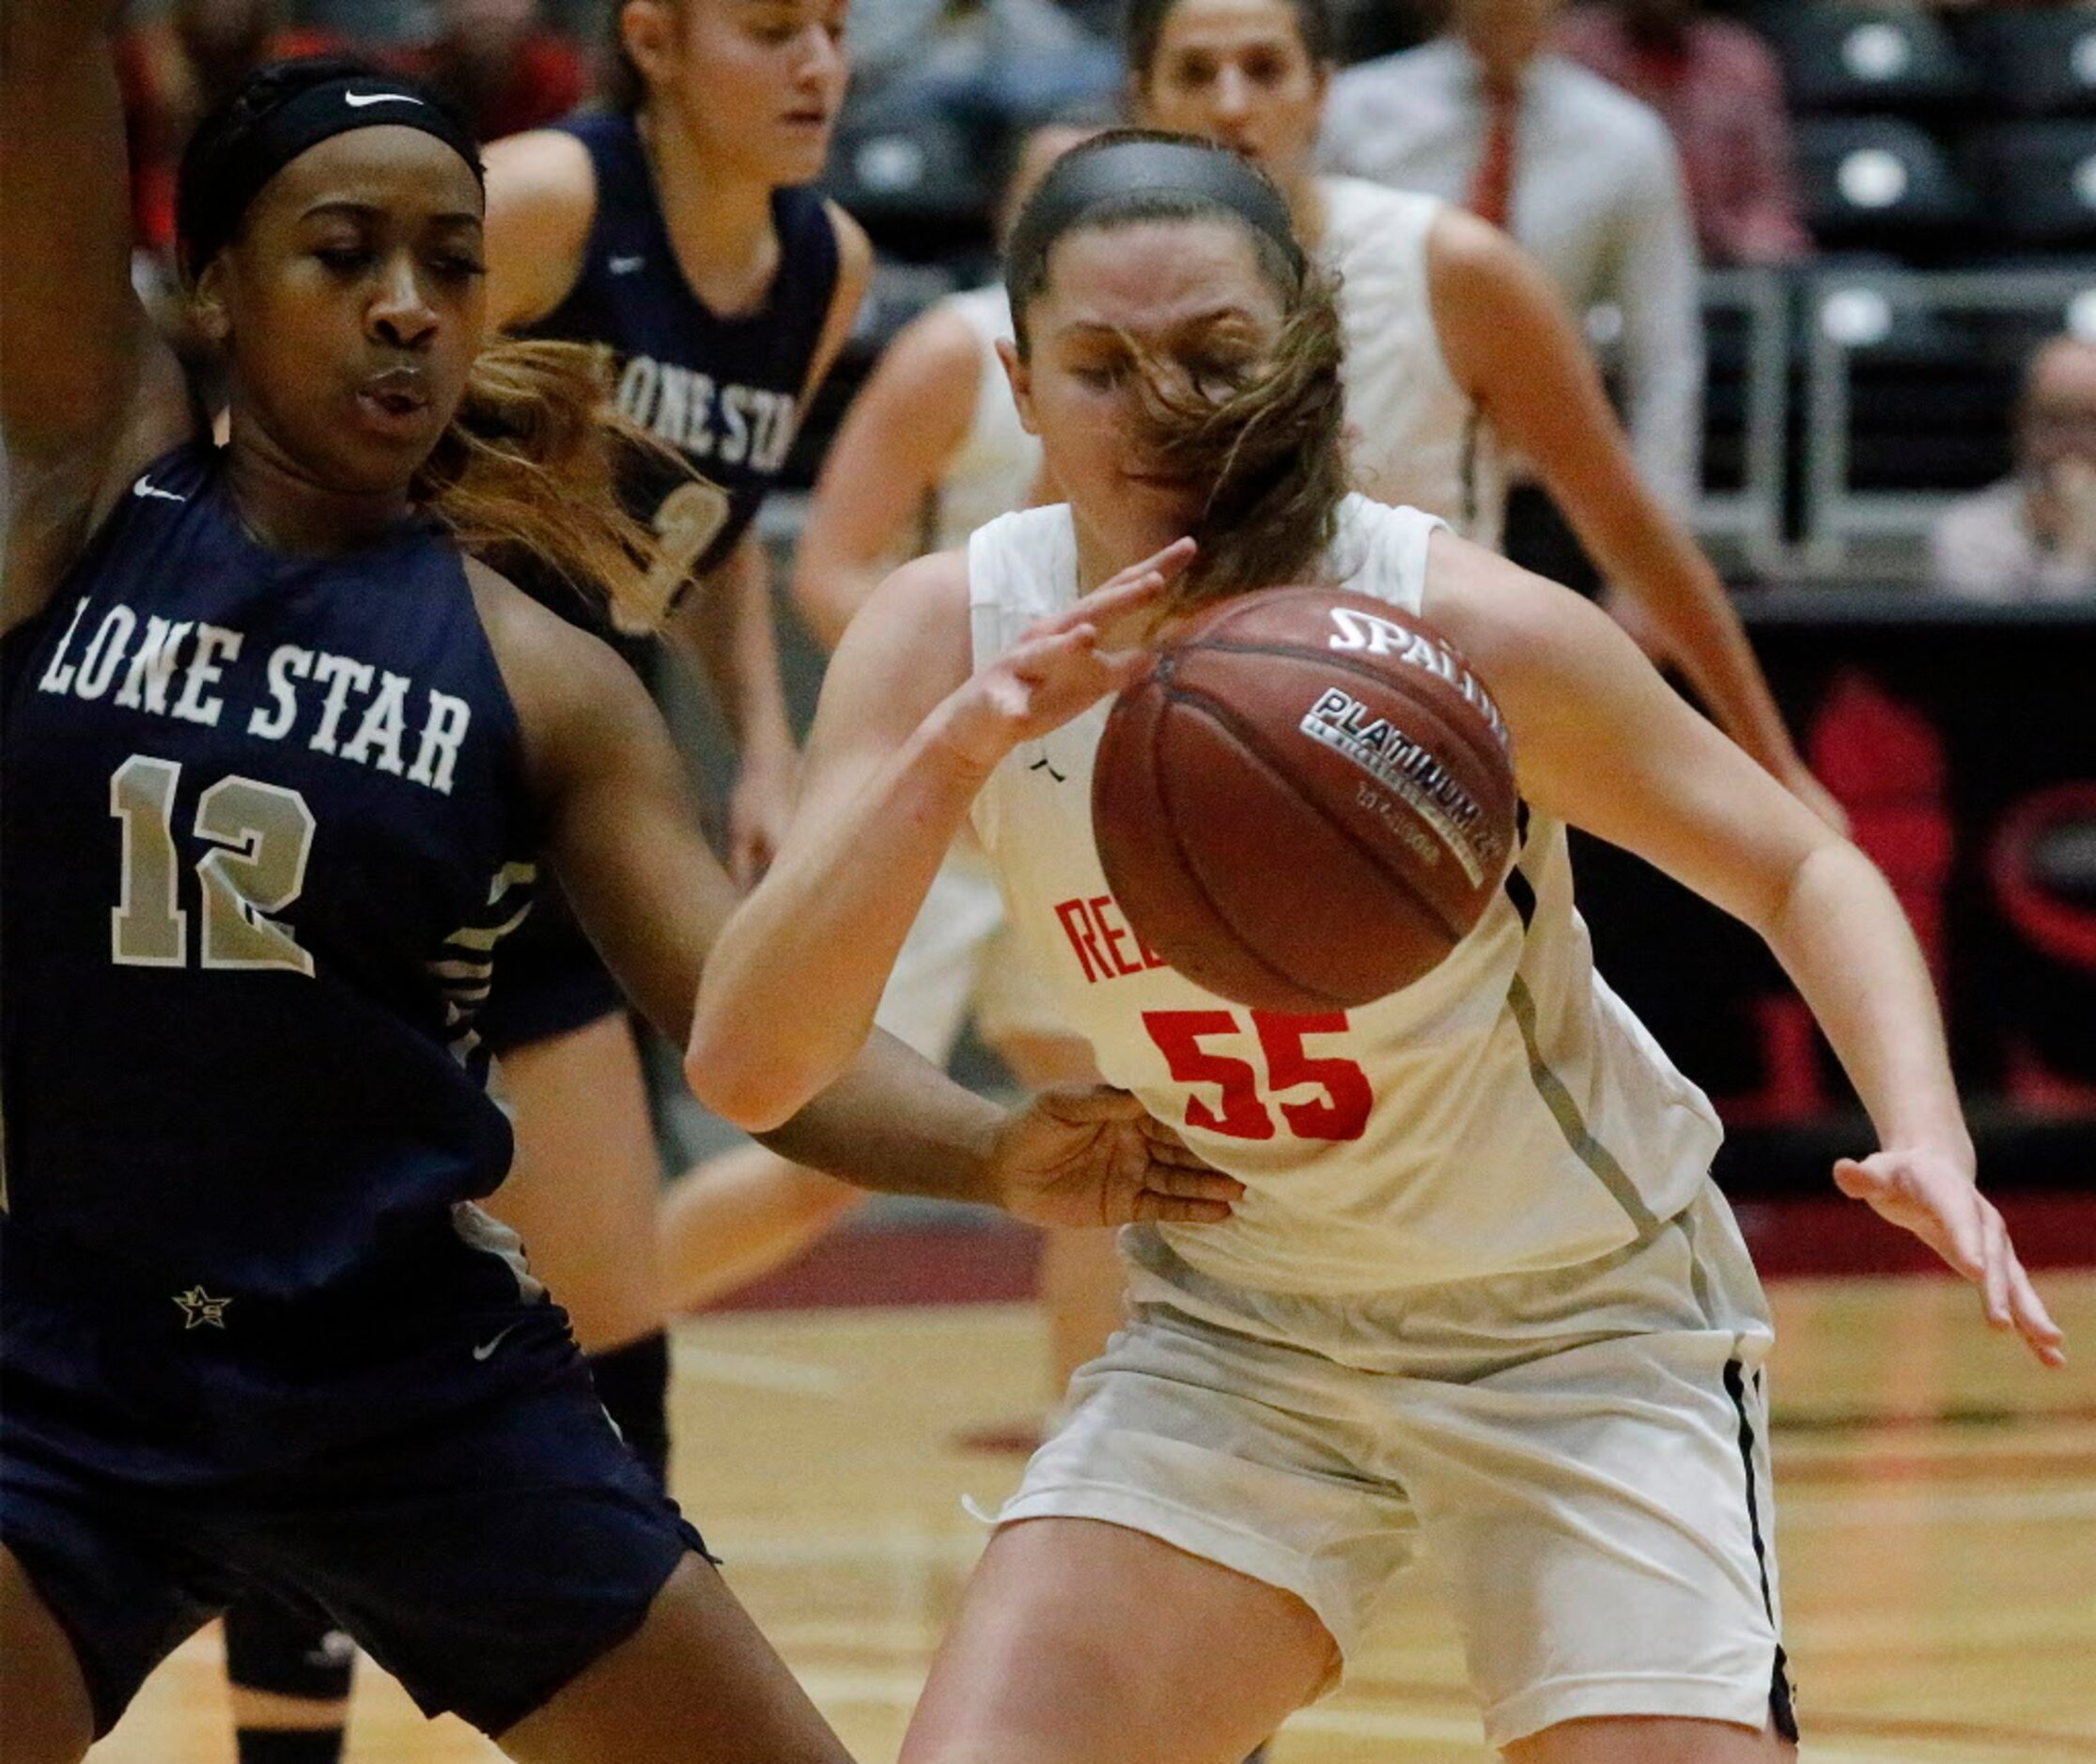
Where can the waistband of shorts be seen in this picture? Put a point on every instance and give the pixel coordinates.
(423, 1272)
(1497, 1313)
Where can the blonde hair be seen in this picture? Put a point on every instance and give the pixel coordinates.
(530, 462)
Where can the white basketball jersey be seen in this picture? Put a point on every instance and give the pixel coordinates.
(1505, 1113)
(998, 464)
(1416, 439)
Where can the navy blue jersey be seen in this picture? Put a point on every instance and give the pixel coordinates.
(262, 823)
(726, 392)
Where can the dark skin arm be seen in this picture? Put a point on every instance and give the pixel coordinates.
(620, 828)
(88, 393)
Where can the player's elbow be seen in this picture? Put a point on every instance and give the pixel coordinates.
(741, 1077)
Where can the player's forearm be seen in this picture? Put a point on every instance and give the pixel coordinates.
(726, 626)
(791, 988)
(896, 1123)
(1844, 939)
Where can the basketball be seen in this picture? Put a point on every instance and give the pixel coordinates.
(1306, 801)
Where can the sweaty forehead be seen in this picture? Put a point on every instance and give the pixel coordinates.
(403, 171)
(1152, 274)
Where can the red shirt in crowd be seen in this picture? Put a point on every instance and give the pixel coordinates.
(1722, 97)
(544, 78)
(162, 103)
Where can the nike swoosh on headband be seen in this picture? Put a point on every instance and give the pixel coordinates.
(357, 101)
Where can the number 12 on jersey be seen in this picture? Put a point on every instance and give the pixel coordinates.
(260, 837)
(1341, 1113)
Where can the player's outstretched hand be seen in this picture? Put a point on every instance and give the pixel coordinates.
(1057, 668)
(1096, 1156)
(1931, 1193)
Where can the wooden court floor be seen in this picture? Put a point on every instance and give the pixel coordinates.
(1937, 1533)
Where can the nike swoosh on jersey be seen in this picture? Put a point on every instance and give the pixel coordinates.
(484, 1349)
(357, 101)
(145, 487)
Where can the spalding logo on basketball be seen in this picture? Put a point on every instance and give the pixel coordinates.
(1306, 801)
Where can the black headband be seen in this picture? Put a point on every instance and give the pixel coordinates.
(247, 159)
(1087, 179)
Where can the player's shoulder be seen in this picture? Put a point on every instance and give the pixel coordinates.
(932, 587)
(1385, 80)
(542, 200)
(942, 344)
(1516, 627)
(552, 670)
(551, 166)
(1361, 214)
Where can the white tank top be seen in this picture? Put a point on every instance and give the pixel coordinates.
(1416, 439)
(996, 467)
(1506, 1113)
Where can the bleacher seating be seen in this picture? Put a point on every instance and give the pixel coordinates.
(2036, 182)
(910, 176)
(2036, 63)
(1878, 183)
(1850, 57)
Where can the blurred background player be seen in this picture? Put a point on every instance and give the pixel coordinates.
(1586, 179)
(931, 448)
(673, 228)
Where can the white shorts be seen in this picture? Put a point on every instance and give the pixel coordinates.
(960, 956)
(1581, 1455)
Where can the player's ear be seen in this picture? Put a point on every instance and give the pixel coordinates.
(647, 28)
(1021, 375)
(206, 303)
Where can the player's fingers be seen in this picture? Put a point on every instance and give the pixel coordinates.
(1995, 1258)
(2034, 1322)
(1165, 564)
(1105, 604)
(1961, 1239)
(1856, 1181)
(1206, 1185)
(1174, 1151)
(1178, 1209)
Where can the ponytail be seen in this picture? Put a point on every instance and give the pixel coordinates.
(1270, 445)
(531, 461)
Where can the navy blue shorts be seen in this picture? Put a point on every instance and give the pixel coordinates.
(483, 1557)
(549, 979)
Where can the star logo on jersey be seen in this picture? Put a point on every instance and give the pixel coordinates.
(624, 266)
(199, 1308)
